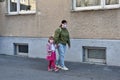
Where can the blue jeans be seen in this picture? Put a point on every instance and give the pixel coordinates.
(61, 52)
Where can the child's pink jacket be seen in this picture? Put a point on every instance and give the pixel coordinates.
(49, 48)
(51, 55)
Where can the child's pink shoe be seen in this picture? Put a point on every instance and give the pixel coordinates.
(56, 69)
(49, 69)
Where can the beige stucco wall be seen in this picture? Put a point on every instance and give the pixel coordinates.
(1, 17)
(86, 24)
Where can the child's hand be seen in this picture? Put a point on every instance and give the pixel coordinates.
(57, 45)
(49, 54)
(49, 51)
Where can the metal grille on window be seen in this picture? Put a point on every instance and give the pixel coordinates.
(95, 54)
(23, 48)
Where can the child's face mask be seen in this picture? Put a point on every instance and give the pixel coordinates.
(51, 41)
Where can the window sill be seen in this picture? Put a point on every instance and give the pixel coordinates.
(83, 10)
(106, 8)
(21, 13)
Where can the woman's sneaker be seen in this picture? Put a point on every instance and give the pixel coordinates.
(59, 66)
(64, 68)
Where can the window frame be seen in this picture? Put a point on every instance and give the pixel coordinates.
(112, 6)
(18, 9)
(102, 6)
(17, 49)
(93, 60)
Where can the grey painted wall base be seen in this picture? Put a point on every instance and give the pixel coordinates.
(37, 48)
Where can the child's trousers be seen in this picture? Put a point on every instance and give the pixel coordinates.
(51, 64)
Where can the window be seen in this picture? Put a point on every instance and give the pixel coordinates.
(21, 6)
(109, 4)
(95, 4)
(21, 49)
(94, 54)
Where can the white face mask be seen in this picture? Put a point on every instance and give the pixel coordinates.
(64, 25)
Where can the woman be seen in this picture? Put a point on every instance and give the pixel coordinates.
(62, 38)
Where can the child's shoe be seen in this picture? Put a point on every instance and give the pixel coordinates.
(49, 69)
(56, 69)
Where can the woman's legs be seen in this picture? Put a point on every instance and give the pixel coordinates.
(61, 51)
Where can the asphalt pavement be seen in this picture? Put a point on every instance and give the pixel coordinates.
(24, 68)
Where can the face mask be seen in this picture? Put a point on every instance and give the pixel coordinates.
(64, 25)
(51, 41)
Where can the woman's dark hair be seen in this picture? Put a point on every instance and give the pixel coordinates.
(62, 22)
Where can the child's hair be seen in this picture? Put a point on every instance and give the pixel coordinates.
(50, 38)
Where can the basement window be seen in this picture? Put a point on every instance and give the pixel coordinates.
(95, 55)
(21, 49)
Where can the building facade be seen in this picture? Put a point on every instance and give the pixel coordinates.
(25, 26)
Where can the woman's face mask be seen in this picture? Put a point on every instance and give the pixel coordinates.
(64, 25)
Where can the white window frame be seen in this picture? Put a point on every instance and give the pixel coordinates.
(12, 13)
(18, 9)
(112, 6)
(101, 6)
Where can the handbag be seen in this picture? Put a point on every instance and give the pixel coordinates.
(48, 57)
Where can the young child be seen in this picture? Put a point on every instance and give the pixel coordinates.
(51, 54)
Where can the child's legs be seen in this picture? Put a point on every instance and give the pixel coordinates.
(50, 64)
(53, 64)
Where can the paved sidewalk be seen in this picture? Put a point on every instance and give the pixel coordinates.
(22, 68)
